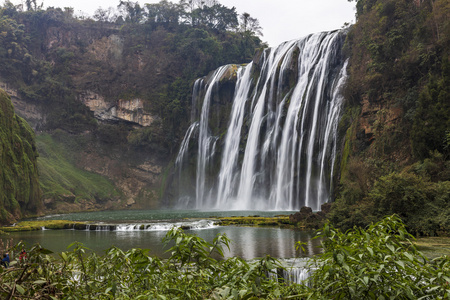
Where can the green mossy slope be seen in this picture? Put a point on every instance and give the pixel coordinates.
(61, 180)
(19, 180)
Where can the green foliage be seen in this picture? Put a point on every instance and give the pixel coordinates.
(418, 194)
(156, 52)
(422, 204)
(399, 55)
(146, 137)
(399, 76)
(217, 17)
(192, 271)
(379, 262)
(38, 225)
(19, 187)
(405, 194)
(61, 179)
(432, 118)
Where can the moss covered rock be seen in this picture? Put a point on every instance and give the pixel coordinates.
(19, 180)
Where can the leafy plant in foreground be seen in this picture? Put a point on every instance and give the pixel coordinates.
(378, 262)
(192, 271)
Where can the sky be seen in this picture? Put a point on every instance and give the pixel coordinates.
(281, 20)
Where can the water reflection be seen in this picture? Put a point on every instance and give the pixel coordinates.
(247, 242)
(253, 242)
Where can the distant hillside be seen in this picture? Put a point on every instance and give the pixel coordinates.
(19, 181)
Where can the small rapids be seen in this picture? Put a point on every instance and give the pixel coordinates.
(155, 226)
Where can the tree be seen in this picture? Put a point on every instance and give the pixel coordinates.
(133, 12)
(105, 15)
(31, 5)
(216, 17)
(163, 12)
(249, 25)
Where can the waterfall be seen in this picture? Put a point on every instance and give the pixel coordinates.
(295, 271)
(266, 132)
(206, 141)
(229, 168)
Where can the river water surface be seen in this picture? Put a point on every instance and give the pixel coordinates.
(247, 242)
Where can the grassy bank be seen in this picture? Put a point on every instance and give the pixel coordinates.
(255, 221)
(38, 225)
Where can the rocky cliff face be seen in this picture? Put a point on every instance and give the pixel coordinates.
(136, 174)
(109, 99)
(31, 112)
(135, 171)
(123, 110)
(397, 116)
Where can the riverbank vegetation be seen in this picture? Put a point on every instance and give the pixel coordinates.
(377, 262)
(278, 221)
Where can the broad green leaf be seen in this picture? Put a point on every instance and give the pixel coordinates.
(40, 281)
(20, 289)
(366, 280)
(391, 247)
(400, 263)
(409, 256)
(346, 267)
(64, 255)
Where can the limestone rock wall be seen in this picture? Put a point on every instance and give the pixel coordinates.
(125, 110)
(29, 111)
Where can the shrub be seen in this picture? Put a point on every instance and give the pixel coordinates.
(379, 262)
(192, 271)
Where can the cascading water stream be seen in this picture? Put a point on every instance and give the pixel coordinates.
(231, 149)
(278, 150)
(248, 172)
(334, 110)
(206, 142)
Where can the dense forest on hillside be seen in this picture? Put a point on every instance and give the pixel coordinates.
(49, 55)
(55, 60)
(397, 148)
